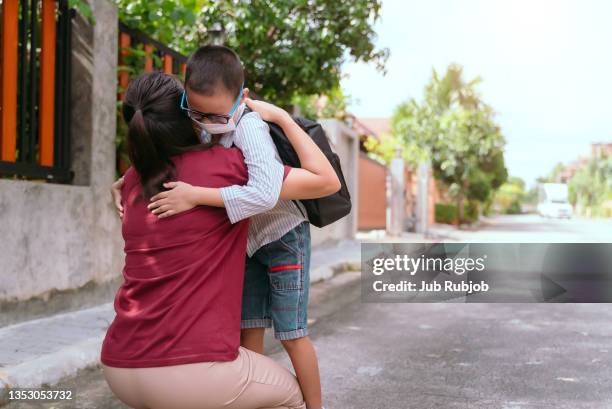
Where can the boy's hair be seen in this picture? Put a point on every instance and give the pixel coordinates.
(211, 66)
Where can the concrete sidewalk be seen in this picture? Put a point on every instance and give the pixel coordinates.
(42, 351)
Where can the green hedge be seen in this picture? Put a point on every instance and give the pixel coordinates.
(448, 213)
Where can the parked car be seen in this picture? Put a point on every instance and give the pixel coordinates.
(553, 201)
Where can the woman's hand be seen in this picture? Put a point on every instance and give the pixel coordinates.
(317, 178)
(116, 193)
(267, 111)
(180, 198)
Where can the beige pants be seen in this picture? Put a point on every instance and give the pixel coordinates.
(251, 381)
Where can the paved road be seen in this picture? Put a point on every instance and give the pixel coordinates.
(533, 228)
(485, 356)
(405, 356)
(452, 356)
(506, 356)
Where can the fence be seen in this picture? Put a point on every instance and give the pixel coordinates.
(60, 237)
(35, 89)
(140, 52)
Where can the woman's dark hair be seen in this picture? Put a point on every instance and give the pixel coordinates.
(157, 129)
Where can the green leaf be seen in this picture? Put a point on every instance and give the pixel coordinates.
(288, 47)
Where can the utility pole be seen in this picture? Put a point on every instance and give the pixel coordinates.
(422, 202)
(398, 184)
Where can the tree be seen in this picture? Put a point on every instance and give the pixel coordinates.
(457, 131)
(332, 104)
(288, 47)
(510, 196)
(554, 174)
(591, 186)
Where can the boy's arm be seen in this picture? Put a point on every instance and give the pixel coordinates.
(317, 177)
(260, 194)
(265, 171)
(181, 197)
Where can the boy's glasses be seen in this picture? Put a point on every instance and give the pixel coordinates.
(201, 116)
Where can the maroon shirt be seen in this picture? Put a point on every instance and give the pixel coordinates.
(181, 297)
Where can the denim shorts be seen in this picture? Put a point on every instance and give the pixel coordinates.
(276, 284)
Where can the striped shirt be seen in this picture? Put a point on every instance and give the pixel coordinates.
(270, 217)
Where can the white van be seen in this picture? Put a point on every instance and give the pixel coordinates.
(553, 201)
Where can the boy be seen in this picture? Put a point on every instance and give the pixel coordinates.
(278, 251)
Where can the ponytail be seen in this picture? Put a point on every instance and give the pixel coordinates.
(157, 129)
(151, 162)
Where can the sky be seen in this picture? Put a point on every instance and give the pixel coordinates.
(546, 67)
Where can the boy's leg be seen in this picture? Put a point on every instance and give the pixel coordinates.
(255, 305)
(304, 360)
(289, 272)
(253, 339)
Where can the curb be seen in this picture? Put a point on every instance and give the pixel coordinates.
(47, 357)
(326, 272)
(344, 256)
(49, 369)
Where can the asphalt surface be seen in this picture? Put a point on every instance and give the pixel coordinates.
(532, 228)
(506, 356)
(446, 355)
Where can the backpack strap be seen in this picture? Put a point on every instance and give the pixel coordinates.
(245, 111)
(295, 202)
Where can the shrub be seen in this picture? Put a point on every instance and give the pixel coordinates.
(449, 214)
(471, 211)
(445, 213)
(515, 208)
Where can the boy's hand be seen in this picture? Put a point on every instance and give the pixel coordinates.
(178, 199)
(267, 111)
(116, 194)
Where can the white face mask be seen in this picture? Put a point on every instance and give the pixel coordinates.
(213, 129)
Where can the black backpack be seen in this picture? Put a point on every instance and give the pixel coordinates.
(328, 209)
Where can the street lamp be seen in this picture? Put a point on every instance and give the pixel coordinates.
(217, 34)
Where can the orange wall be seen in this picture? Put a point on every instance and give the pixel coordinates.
(372, 208)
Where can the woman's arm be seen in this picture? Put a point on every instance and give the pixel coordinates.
(316, 177)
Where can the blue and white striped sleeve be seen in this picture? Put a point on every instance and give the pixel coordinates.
(265, 171)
